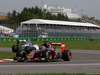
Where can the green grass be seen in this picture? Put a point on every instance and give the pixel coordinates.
(83, 45)
(79, 45)
(5, 44)
(55, 74)
(6, 55)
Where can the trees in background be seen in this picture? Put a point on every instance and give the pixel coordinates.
(91, 19)
(16, 18)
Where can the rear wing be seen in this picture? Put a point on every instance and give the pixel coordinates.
(21, 41)
(60, 44)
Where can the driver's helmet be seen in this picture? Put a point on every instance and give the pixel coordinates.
(46, 45)
(43, 47)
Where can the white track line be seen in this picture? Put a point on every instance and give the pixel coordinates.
(52, 65)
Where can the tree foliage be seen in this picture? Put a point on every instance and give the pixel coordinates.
(92, 19)
(31, 13)
(16, 18)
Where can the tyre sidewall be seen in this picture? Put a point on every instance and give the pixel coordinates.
(15, 48)
(46, 55)
(66, 55)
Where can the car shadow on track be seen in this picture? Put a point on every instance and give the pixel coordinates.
(39, 61)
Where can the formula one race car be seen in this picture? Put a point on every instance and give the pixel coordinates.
(28, 51)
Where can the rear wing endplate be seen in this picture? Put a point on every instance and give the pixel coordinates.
(60, 44)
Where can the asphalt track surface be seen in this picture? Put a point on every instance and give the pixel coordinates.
(83, 61)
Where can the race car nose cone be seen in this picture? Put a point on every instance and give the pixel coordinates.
(29, 56)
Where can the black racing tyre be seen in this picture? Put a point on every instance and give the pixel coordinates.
(48, 56)
(15, 48)
(66, 55)
(27, 49)
(22, 55)
(21, 60)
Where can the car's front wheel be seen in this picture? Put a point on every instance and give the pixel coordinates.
(20, 59)
(47, 55)
(21, 56)
(15, 48)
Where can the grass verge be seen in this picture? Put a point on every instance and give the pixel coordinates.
(79, 45)
(7, 55)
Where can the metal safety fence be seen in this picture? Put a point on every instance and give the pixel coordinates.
(33, 31)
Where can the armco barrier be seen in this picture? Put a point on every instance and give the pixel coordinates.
(46, 39)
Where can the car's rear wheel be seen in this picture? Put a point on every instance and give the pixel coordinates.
(27, 49)
(66, 55)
